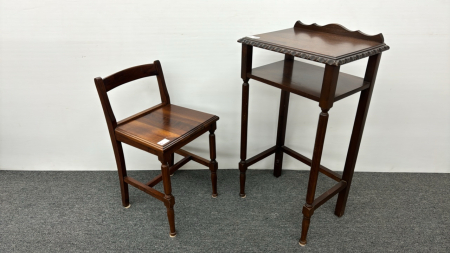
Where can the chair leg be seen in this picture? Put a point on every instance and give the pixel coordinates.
(172, 161)
(170, 200)
(213, 164)
(308, 209)
(120, 161)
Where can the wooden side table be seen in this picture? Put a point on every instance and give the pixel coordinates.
(332, 45)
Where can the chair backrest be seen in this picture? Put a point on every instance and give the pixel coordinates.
(127, 75)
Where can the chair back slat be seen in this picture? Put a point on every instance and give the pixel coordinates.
(128, 75)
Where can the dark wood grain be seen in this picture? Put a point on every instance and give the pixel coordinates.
(195, 158)
(329, 194)
(329, 86)
(330, 80)
(144, 130)
(324, 170)
(260, 156)
(340, 30)
(154, 193)
(213, 165)
(317, 42)
(173, 168)
(358, 129)
(170, 122)
(128, 75)
(246, 68)
(168, 197)
(165, 99)
(117, 146)
(306, 79)
(140, 114)
(282, 116)
(330, 44)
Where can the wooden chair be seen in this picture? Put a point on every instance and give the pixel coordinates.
(161, 130)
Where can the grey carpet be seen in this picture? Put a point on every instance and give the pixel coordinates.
(82, 212)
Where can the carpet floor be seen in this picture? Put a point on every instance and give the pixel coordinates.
(82, 212)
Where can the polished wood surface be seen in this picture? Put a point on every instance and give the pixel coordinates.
(170, 122)
(128, 75)
(338, 29)
(305, 79)
(288, 66)
(332, 45)
(213, 163)
(327, 172)
(318, 42)
(358, 129)
(246, 67)
(325, 102)
(145, 130)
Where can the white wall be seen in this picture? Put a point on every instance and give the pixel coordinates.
(50, 52)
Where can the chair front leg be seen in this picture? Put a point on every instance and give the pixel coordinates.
(172, 161)
(213, 165)
(170, 200)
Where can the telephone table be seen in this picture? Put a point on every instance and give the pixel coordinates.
(332, 45)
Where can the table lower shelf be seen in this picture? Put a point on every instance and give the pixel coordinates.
(305, 79)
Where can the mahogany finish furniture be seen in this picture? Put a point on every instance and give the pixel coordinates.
(160, 130)
(332, 45)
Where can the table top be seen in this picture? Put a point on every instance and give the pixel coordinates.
(331, 44)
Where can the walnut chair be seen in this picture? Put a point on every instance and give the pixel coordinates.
(161, 130)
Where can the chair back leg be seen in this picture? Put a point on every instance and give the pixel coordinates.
(120, 161)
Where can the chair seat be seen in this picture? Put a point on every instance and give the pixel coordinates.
(166, 126)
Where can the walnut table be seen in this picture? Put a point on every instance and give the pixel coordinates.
(332, 45)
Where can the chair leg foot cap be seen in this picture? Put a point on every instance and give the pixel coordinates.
(243, 196)
(303, 244)
(171, 174)
(214, 195)
(173, 234)
(127, 206)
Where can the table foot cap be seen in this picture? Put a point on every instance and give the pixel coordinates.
(243, 195)
(214, 195)
(173, 234)
(127, 206)
(303, 244)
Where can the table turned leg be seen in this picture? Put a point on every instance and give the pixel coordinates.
(358, 128)
(213, 164)
(326, 101)
(246, 68)
(308, 208)
(169, 199)
(244, 124)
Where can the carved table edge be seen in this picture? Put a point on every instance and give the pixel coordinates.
(313, 57)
